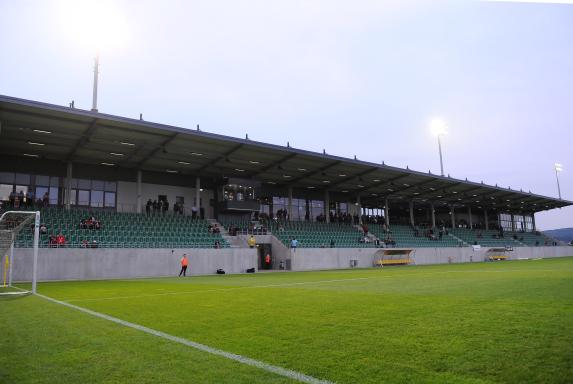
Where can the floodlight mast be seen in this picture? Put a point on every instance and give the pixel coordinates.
(558, 168)
(439, 129)
(96, 74)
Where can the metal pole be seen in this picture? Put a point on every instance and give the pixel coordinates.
(96, 73)
(11, 262)
(35, 265)
(138, 197)
(558, 186)
(69, 186)
(441, 161)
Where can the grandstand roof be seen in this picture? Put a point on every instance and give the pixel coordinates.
(31, 128)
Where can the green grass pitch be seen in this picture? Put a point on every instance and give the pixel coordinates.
(508, 322)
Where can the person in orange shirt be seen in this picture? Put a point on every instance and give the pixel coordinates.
(184, 263)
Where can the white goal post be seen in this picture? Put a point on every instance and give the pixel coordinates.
(12, 223)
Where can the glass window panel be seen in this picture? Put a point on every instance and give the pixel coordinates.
(74, 183)
(96, 199)
(110, 186)
(110, 199)
(5, 191)
(54, 181)
(74, 195)
(83, 197)
(42, 180)
(84, 184)
(40, 192)
(54, 195)
(7, 177)
(22, 178)
(97, 185)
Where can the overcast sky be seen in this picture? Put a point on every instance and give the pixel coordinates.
(353, 77)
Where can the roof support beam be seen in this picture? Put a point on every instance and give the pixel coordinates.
(312, 173)
(273, 164)
(158, 149)
(218, 158)
(84, 138)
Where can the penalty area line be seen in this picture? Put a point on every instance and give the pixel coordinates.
(301, 377)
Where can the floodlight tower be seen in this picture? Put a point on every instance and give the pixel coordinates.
(558, 168)
(96, 74)
(439, 129)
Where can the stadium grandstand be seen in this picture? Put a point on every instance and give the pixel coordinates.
(118, 184)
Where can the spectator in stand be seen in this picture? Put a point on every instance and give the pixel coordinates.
(97, 224)
(12, 198)
(84, 243)
(30, 199)
(159, 207)
(365, 229)
(46, 199)
(194, 211)
(217, 244)
(148, 207)
(43, 229)
(332, 243)
(60, 241)
(94, 244)
(155, 207)
(176, 208)
(52, 241)
(294, 244)
(165, 206)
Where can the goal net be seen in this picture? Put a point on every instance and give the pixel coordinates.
(11, 224)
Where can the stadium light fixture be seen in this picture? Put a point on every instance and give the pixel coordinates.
(439, 129)
(97, 25)
(41, 131)
(558, 168)
(34, 143)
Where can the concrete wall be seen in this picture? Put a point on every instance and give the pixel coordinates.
(107, 263)
(304, 259)
(85, 264)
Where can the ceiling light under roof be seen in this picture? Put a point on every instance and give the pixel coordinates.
(254, 162)
(171, 171)
(376, 180)
(239, 170)
(287, 176)
(30, 155)
(406, 185)
(126, 143)
(183, 162)
(390, 190)
(271, 182)
(196, 153)
(301, 169)
(34, 143)
(108, 164)
(342, 175)
(311, 187)
(41, 131)
(116, 154)
(326, 181)
(344, 191)
(360, 186)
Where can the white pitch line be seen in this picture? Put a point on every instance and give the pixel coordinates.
(201, 347)
(294, 284)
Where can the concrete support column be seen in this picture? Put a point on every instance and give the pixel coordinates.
(470, 217)
(433, 211)
(486, 219)
(327, 205)
(453, 216)
(68, 201)
(138, 199)
(533, 222)
(387, 212)
(289, 203)
(412, 213)
(198, 195)
(359, 202)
